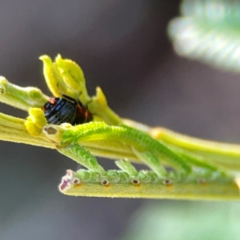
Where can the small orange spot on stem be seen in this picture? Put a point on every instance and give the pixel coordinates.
(202, 181)
(167, 182)
(77, 185)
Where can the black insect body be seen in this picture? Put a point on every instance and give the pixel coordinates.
(66, 110)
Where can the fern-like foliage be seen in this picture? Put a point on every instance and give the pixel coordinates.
(208, 31)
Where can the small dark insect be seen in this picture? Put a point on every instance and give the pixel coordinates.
(66, 110)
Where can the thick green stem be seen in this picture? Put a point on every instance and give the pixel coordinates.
(225, 154)
(212, 191)
(12, 129)
(81, 183)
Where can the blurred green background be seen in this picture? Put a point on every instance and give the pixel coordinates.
(185, 220)
(123, 47)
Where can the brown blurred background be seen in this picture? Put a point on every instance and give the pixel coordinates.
(122, 46)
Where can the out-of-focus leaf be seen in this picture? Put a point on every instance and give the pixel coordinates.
(186, 221)
(208, 31)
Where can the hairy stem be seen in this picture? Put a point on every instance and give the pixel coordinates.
(81, 183)
(224, 154)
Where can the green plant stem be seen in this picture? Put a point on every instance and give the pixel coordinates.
(186, 191)
(224, 154)
(12, 129)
